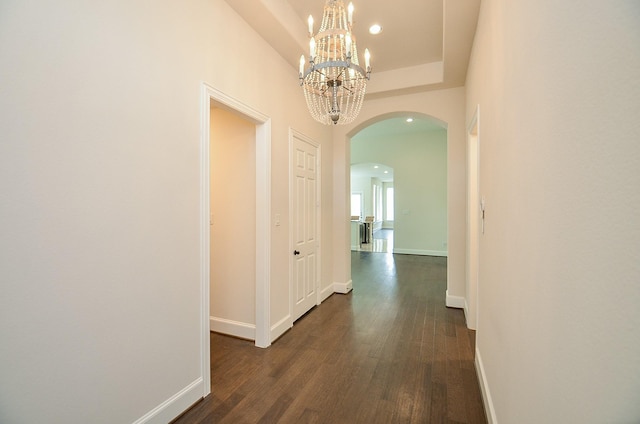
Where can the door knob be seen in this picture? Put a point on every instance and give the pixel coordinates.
(295, 252)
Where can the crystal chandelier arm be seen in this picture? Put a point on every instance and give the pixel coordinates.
(346, 88)
(335, 64)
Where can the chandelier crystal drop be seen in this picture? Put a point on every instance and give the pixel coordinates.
(332, 79)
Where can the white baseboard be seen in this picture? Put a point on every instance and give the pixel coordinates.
(232, 328)
(281, 327)
(326, 292)
(443, 253)
(466, 313)
(343, 288)
(175, 405)
(484, 388)
(455, 301)
(470, 325)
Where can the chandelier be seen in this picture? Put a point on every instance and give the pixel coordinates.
(333, 81)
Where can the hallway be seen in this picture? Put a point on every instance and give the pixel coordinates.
(389, 352)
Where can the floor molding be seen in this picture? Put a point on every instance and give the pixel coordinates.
(326, 292)
(442, 253)
(343, 288)
(175, 405)
(484, 389)
(232, 328)
(281, 327)
(455, 301)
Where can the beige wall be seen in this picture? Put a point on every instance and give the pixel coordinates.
(558, 88)
(233, 229)
(99, 213)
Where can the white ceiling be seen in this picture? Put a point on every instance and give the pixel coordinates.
(372, 170)
(392, 48)
(424, 45)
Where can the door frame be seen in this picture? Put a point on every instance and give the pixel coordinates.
(473, 221)
(263, 230)
(292, 135)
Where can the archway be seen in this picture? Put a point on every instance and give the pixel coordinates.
(415, 146)
(445, 107)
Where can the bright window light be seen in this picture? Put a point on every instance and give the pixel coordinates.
(356, 204)
(390, 214)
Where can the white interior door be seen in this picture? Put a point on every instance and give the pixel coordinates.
(305, 228)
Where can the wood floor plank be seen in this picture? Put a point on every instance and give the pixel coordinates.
(389, 352)
(438, 413)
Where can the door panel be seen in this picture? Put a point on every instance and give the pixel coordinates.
(305, 202)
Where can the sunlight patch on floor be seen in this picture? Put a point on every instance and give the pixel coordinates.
(382, 242)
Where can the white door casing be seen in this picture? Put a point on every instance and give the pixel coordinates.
(474, 221)
(305, 224)
(263, 231)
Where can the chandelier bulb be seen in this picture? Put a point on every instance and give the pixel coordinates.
(350, 14)
(310, 21)
(312, 49)
(367, 60)
(302, 62)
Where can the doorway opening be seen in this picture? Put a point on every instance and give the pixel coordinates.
(372, 207)
(262, 127)
(400, 166)
(233, 224)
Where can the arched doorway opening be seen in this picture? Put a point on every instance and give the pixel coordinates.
(412, 149)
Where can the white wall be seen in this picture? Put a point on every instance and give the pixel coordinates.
(233, 229)
(420, 179)
(558, 89)
(99, 175)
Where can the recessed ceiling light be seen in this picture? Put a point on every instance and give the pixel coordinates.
(409, 120)
(376, 167)
(386, 172)
(375, 29)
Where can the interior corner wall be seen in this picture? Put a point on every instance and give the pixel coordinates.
(233, 224)
(100, 122)
(557, 88)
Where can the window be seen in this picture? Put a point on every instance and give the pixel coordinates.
(389, 216)
(377, 202)
(356, 204)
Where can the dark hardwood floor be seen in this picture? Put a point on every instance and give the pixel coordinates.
(389, 352)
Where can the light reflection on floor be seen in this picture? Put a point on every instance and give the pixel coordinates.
(382, 242)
